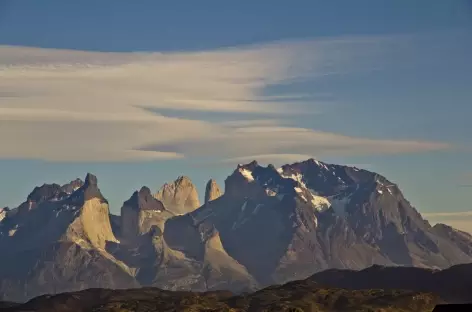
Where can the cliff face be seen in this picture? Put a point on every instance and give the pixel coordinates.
(92, 224)
(180, 196)
(59, 244)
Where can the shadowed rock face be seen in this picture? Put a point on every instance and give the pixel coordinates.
(72, 186)
(212, 191)
(143, 200)
(44, 192)
(141, 212)
(179, 197)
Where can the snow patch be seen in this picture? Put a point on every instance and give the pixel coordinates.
(296, 177)
(247, 174)
(298, 190)
(322, 165)
(379, 191)
(303, 197)
(320, 203)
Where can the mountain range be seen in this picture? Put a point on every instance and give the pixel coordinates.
(269, 226)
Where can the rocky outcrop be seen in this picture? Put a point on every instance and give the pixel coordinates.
(212, 191)
(141, 212)
(72, 186)
(220, 270)
(179, 197)
(3, 213)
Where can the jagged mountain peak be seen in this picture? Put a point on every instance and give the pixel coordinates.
(45, 192)
(144, 200)
(141, 213)
(89, 190)
(212, 191)
(145, 191)
(53, 191)
(180, 196)
(251, 165)
(72, 186)
(91, 180)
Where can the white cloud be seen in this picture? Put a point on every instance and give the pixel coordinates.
(64, 105)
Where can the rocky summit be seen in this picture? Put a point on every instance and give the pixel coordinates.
(269, 226)
(180, 196)
(212, 191)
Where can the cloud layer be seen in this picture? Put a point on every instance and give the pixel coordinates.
(63, 105)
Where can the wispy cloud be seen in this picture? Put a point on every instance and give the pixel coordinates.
(92, 106)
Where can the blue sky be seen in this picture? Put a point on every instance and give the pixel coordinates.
(141, 93)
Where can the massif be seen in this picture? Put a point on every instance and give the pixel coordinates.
(269, 226)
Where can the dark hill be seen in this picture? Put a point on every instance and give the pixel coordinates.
(295, 296)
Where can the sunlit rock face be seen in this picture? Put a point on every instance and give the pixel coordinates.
(180, 196)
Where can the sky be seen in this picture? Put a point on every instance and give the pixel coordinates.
(140, 93)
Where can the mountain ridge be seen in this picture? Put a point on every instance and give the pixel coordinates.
(269, 226)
